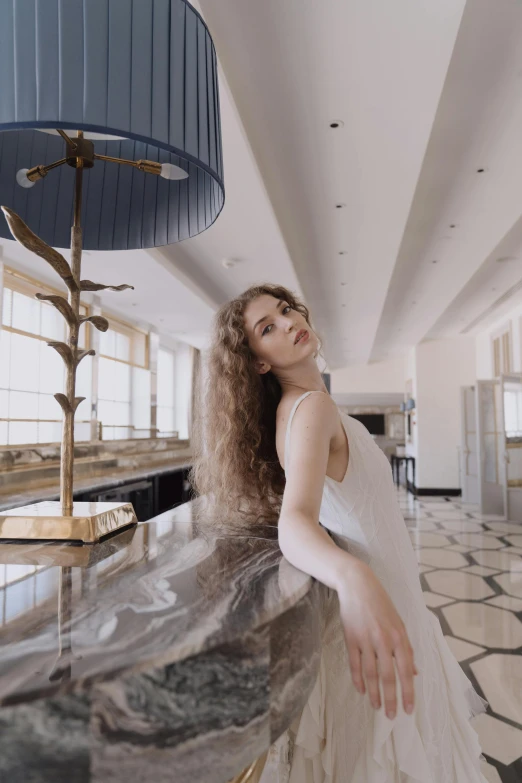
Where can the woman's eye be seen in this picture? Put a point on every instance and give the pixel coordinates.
(265, 330)
(286, 308)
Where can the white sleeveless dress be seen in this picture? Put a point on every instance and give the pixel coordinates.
(339, 737)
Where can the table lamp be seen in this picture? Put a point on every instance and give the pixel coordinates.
(109, 123)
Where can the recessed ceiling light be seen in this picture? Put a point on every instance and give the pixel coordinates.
(340, 206)
(435, 261)
(480, 171)
(337, 124)
(453, 225)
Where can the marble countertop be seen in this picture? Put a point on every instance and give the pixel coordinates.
(116, 478)
(166, 652)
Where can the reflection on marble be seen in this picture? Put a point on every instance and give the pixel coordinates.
(457, 584)
(500, 677)
(497, 739)
(179, 657)
(484, 624)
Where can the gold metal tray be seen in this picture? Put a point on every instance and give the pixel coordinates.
(44, 521)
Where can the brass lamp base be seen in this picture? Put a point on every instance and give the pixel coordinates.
(44, 521)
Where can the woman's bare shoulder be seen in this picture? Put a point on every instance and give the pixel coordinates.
(316, 403)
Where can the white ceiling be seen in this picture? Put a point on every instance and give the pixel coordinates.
(428, 93)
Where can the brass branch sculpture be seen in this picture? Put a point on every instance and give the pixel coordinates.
(70, 353)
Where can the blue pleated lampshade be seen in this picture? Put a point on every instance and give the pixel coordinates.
(143, 70)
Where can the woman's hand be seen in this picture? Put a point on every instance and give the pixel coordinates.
(375, 635)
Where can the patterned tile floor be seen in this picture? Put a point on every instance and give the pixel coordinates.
(471, 572)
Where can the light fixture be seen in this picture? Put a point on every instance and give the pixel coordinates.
(228, 263)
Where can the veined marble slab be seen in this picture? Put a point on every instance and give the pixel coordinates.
(171, 654)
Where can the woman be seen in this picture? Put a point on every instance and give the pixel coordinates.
(390, 704)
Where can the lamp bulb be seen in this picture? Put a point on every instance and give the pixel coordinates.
(169, 171)
(23, 181)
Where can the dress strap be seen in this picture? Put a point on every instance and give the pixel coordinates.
(292, 412)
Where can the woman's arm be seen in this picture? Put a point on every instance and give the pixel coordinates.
(302, 540)
(374, 632)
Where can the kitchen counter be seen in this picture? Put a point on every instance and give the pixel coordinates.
(165, 653)
(115, 477)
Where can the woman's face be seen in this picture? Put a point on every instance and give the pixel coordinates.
(278, 336)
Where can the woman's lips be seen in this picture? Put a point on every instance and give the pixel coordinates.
(303, 337)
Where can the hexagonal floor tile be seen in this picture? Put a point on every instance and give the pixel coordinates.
(500, 677)
(480, 570)
(490, 772)
(514, 540)
(432, 600)
(463, 650)
(478, 541)
(461, 526)
(498, 739)
(501, 560)
(504, 527)
(429, 539)
(506, 602)
(460, 548)
(457, 584)
(426, 525)
(513, 550)
(484, 624)
(441, 558)
(510, 583)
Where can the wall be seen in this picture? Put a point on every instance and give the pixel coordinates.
(388, 376)
(442, 367)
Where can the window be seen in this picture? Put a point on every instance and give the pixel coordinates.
(31, 372)
(165, 393)
(122, 348)
(501, 345)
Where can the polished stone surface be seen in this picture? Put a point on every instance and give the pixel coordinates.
(171, 654)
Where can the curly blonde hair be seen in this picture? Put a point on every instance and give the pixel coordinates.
(235, 462)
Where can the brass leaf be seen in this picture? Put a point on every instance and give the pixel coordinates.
(98, 321)
(77, 401)
(82, 354)
(64, 402)
(25, 236)
(64, 351)
(61, 304)
(88, 285)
